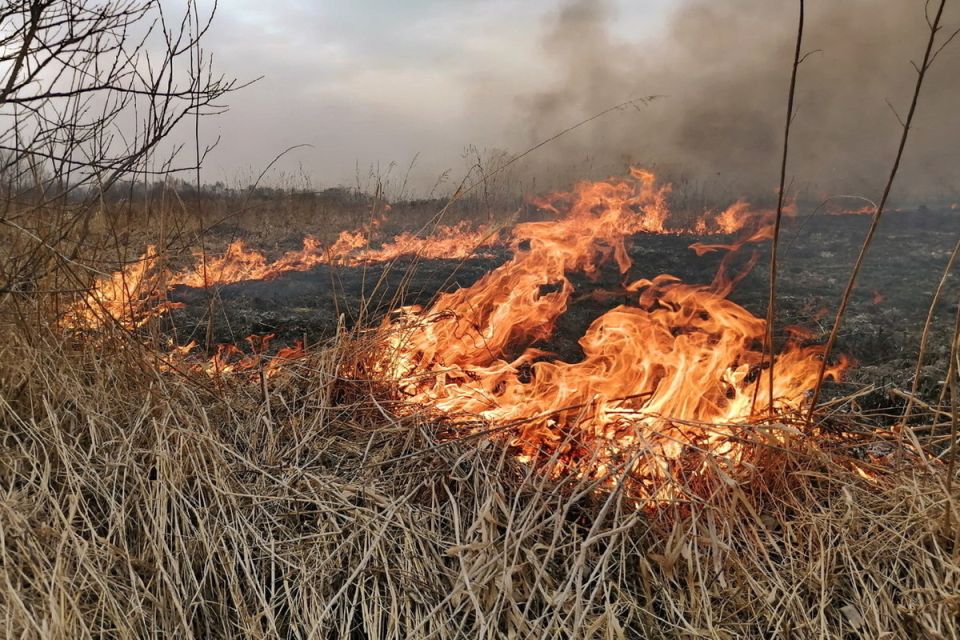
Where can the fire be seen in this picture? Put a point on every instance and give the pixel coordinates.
(238, 263)
(668, 384)
(230, 359)
(135, 294)
(671, 375)
(732, 219)
(865, 210)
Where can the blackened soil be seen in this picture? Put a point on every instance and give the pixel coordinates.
(881, 328)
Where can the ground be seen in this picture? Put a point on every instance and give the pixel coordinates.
(880, 332)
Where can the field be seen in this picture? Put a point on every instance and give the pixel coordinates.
(141, 500)
(628, 406)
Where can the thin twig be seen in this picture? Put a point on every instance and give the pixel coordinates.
(926, 334)
(954, 420)
(771, 304)
(844, 301)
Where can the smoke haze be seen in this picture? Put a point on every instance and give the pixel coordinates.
(385, 82)
(723, 70)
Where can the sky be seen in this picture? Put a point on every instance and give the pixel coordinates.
(374, 82)
(380, 85)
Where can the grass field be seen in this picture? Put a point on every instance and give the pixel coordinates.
(142, 501)
(149, 491)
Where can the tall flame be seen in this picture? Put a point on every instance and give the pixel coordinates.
(671, 374)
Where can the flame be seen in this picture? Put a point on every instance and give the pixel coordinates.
(664, 379)
(669, 382)
(238, 263)
(230, 359)
(135, 294)
(865, 210)
(732, 219)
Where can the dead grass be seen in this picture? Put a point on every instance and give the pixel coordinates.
(139, 502)
(136, 503)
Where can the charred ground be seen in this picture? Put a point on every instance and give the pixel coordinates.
(881, 330)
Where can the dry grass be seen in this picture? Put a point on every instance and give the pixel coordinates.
(139, 502)
(136, 503)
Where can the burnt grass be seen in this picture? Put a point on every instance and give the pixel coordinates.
(881, 330)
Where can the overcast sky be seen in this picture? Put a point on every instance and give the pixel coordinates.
(374, 82)
(379, 81)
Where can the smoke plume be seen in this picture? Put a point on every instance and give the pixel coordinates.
(722, 70)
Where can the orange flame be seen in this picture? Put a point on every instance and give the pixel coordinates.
(865, 210)
(662, 380)
(229, 359)
(135, 294)
(734, 218)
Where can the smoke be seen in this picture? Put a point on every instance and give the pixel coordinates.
(723, 68)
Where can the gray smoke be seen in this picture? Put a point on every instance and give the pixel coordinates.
(723, 69)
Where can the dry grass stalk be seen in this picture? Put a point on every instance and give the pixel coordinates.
(951, 451)
(135, 503)
(775, 243)
(140, 500)
(924, 337)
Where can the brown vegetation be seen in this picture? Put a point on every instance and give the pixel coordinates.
(139, 498)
